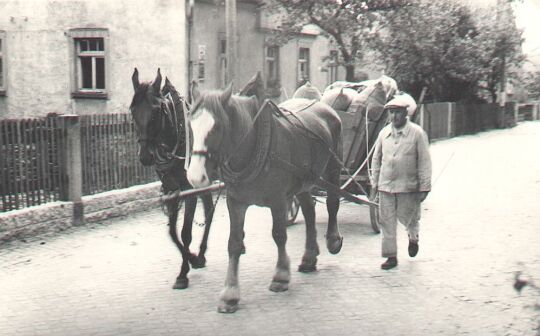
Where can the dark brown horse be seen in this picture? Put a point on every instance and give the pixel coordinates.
(160, 125)
(265, 156)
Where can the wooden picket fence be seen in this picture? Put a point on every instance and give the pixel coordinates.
(446, 120)
(34, 166)
(109, 154)
(31, 162)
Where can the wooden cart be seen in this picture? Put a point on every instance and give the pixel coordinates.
(362, 114)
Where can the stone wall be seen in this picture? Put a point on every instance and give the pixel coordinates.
(58, 216)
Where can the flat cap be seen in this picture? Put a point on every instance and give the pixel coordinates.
(403, 100)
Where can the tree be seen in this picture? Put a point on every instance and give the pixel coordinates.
(532, 85)
(350, 23)
(501, 40)
(456, 52)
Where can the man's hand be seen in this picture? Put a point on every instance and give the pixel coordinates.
(422, 195)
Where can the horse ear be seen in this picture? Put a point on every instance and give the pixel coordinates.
(226, 95)
(157, 82)
(135, 79)
(194, 92)
(167, 81)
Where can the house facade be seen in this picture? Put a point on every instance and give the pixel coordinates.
(77, 57)
(283, 67)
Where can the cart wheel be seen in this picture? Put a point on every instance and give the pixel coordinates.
(374, 211)
(292, 212)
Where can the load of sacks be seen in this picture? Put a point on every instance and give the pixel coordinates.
(340, 94)
(362, 108)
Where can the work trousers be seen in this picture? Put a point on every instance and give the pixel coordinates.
(404, 207)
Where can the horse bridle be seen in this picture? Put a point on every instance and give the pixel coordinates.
(164, 114)
(153, 139)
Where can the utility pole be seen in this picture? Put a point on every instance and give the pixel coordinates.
(230, 36)
(501, 97)
(190, 8)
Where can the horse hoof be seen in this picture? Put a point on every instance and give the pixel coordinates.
(198, 262)
(279, 286)
(227, 308)
(334, 245)
(307, 268)
(181, 283)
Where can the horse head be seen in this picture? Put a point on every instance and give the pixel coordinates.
(207, 122)
(220, 123)
(147, 111)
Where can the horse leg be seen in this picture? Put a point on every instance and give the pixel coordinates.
(230, 295)
(182, 281)
(334, 241)
(208, 216)
(189, 214)
(282, 276)
(309, 260)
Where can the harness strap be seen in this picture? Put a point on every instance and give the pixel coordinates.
(165, 159)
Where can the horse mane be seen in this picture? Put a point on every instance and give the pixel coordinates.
(240, 105)
(171, 88)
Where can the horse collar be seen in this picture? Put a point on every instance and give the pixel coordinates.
(263, 124)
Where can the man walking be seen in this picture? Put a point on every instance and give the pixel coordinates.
(401, 173)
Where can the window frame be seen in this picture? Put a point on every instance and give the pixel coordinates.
(275, 60)
(306, 62)
(333, 66)
(75, 35)
(3, 66)
(222, 61)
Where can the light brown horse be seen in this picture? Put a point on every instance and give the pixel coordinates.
(265, 156)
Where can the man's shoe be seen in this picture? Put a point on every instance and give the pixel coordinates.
(413, 248)
(389, 263)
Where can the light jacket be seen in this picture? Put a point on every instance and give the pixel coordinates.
(401, 160)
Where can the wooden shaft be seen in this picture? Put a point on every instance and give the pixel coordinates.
(195, 192)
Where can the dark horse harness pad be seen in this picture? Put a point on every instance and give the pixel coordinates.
(302, 153)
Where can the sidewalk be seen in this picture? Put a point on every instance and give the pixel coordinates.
(480, 226)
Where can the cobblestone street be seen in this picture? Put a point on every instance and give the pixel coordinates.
(480, 225)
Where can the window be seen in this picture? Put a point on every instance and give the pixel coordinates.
(303, 64)
(90, 63)
(222, 62)
(201, 72)
(2, 64)
(333, 66)
(272, 67)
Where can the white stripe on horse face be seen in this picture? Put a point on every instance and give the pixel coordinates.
(201, 127)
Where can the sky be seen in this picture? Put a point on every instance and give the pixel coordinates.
(528, 18)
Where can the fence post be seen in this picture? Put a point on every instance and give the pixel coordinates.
(514, 113)
(450, 129)
(72, 166)
(420, 116)
(500, 116)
